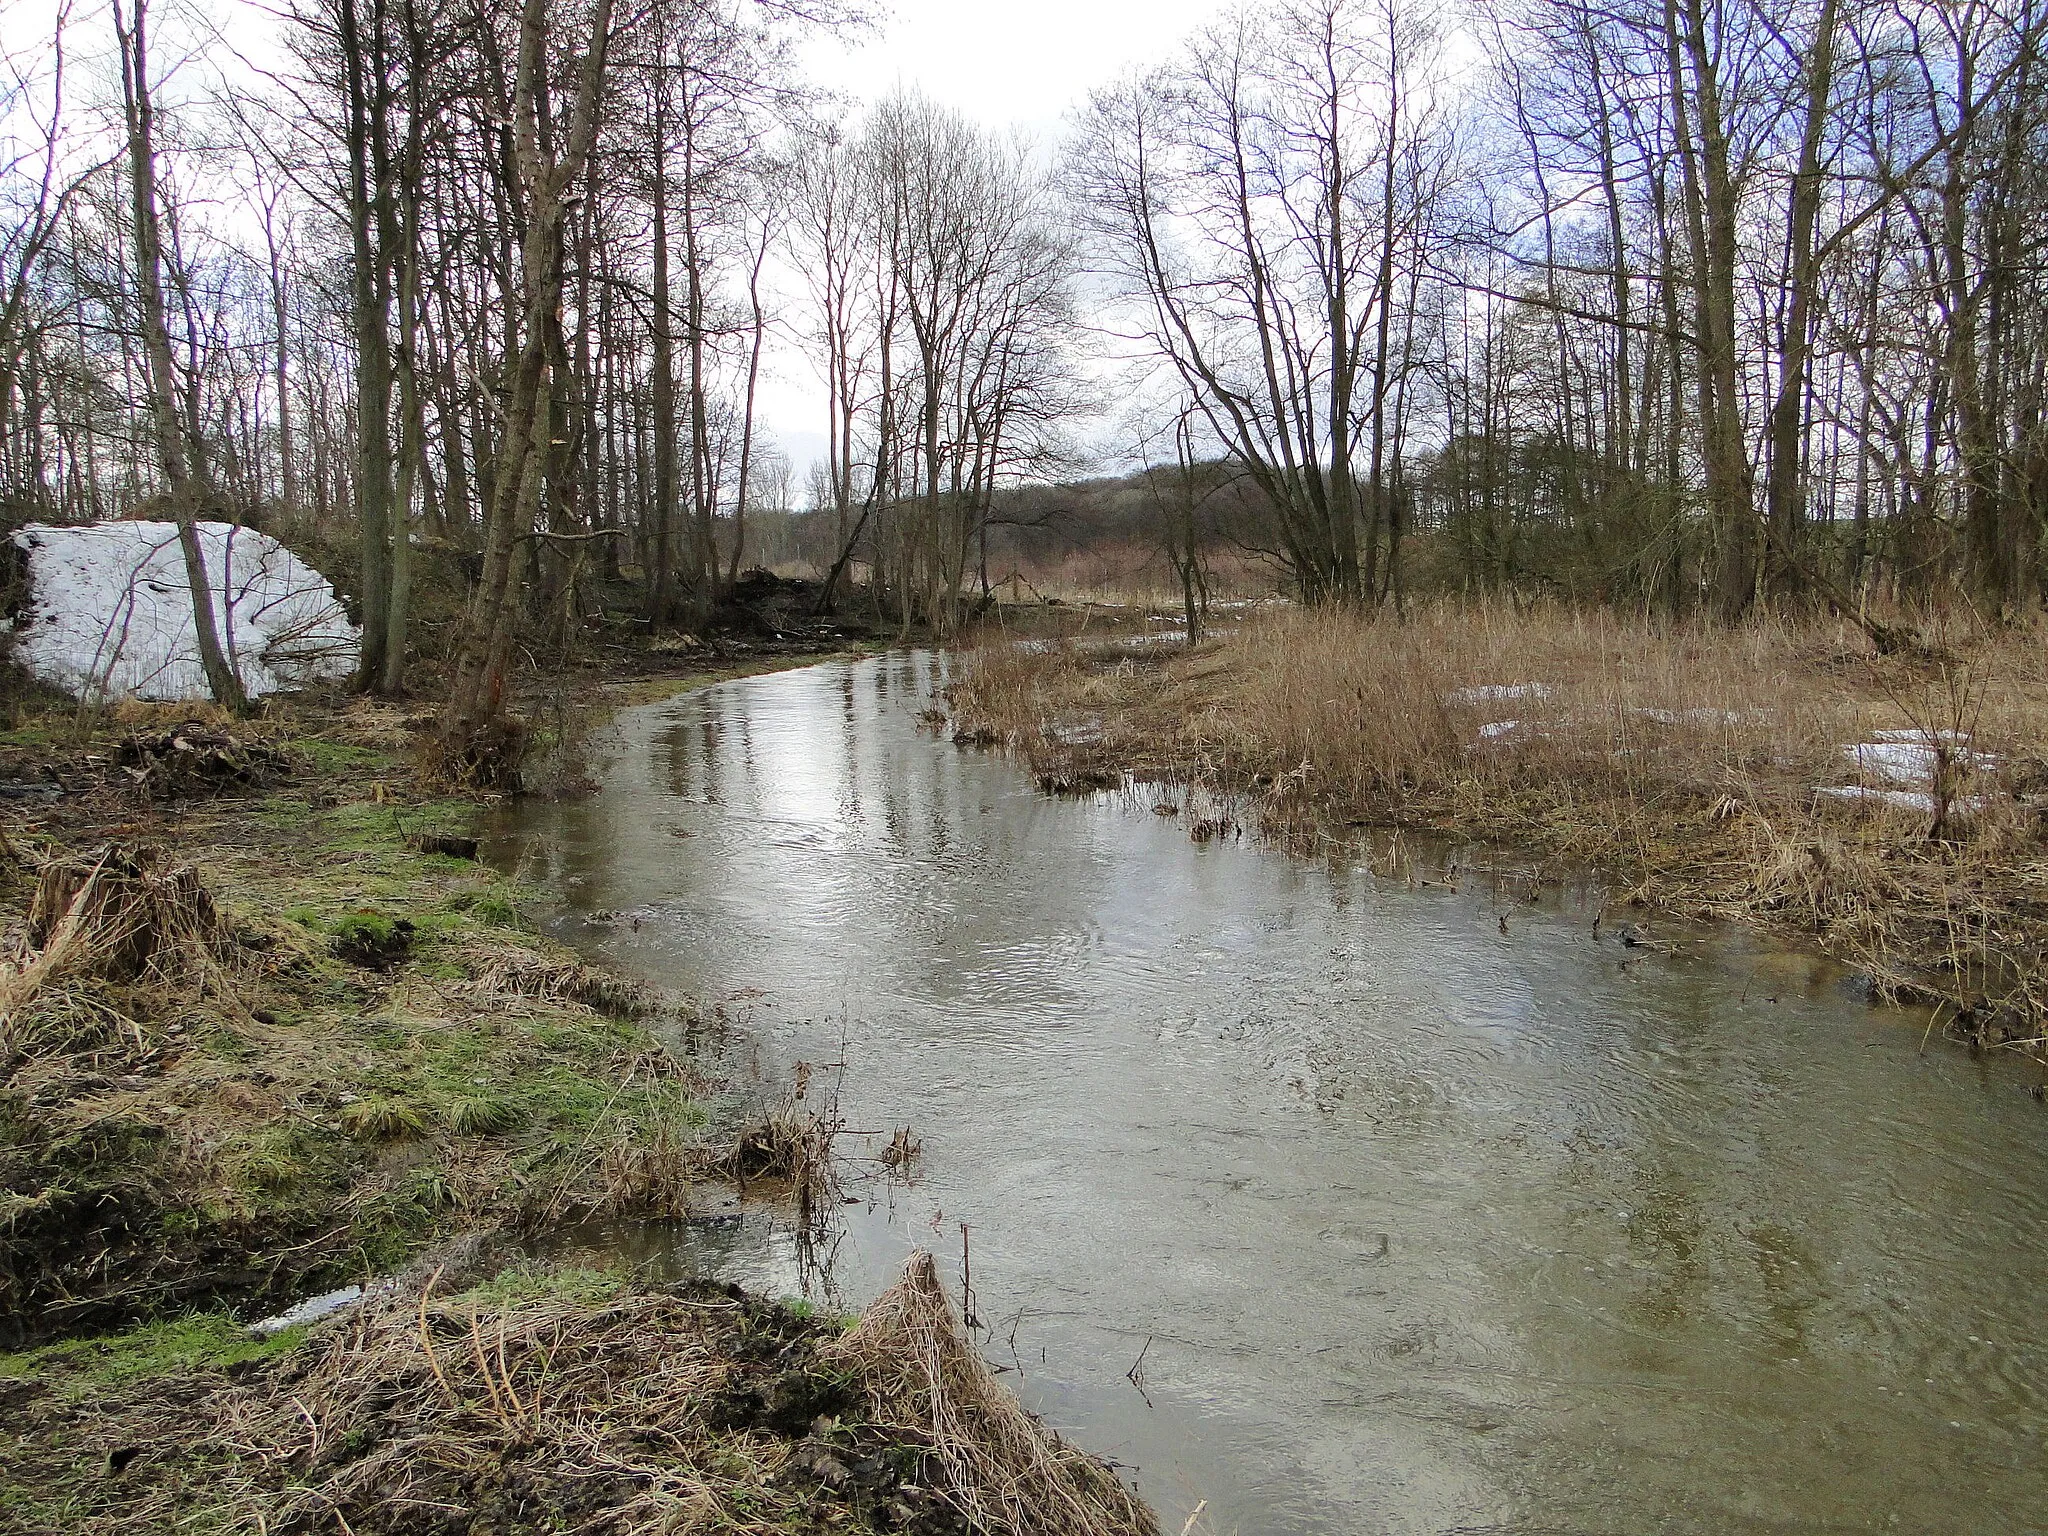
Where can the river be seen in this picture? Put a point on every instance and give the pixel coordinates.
(1411, 1219)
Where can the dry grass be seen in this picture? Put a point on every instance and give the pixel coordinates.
(120, 913)
(503, 975)
(790, 1147)
(1684, 761)
(1007, 1474)
(571, 1400)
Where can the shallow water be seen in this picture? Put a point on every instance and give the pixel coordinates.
(1419, 1226)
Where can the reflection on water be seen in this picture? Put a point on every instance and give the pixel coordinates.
(1430, 1227)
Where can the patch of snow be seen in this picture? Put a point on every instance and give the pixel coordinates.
(110, 614)
(1494, 729)
(1918, 800)
(1899, 761)
(1914, 733)
(1487, 693)
(1148, 637)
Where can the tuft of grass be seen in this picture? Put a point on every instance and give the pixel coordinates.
(481, 1114)
(382, 1117)
(495, 909)
(562, 1285)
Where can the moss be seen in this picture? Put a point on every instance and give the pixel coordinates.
(335, 758)
(568, 1285)
(375, 939)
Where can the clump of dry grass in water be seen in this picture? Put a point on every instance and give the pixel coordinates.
(1005, 1472)
(791, 1146)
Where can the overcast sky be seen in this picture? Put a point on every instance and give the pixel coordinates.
(1007, 61)
(1002, 62)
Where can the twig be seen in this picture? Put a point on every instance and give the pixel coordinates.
(433, 1360)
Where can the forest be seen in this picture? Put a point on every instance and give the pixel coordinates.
(1692, 308)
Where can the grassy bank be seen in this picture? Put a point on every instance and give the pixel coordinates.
(1892, 808)
(274, 1027)
(266, 1027)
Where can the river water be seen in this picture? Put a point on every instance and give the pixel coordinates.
(1418, 1224)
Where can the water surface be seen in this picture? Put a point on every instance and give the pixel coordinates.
(1419, 1225)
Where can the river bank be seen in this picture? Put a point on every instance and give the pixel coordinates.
(1889, 808)
(1321, 1199)
(269, 1028)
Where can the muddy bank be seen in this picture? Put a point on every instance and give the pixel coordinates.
(1891, 810)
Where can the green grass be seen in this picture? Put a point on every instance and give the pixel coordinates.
(337, 758)
(533, 1282)
(200, 1341)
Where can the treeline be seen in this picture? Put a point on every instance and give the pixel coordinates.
(498, 276)
(1694, 304)
(1688, 302)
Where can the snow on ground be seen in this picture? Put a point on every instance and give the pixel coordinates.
(1900, 757)
(1919, 800)
(110, 614)
(1897, 759)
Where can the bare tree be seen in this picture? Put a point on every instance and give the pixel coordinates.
(183, 467)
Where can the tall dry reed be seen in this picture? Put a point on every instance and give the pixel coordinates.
(1718, 771)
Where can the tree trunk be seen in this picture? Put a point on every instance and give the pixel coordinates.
(174, 454)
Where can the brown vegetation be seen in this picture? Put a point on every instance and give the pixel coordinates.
(1688, 762)
(555, 1400)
